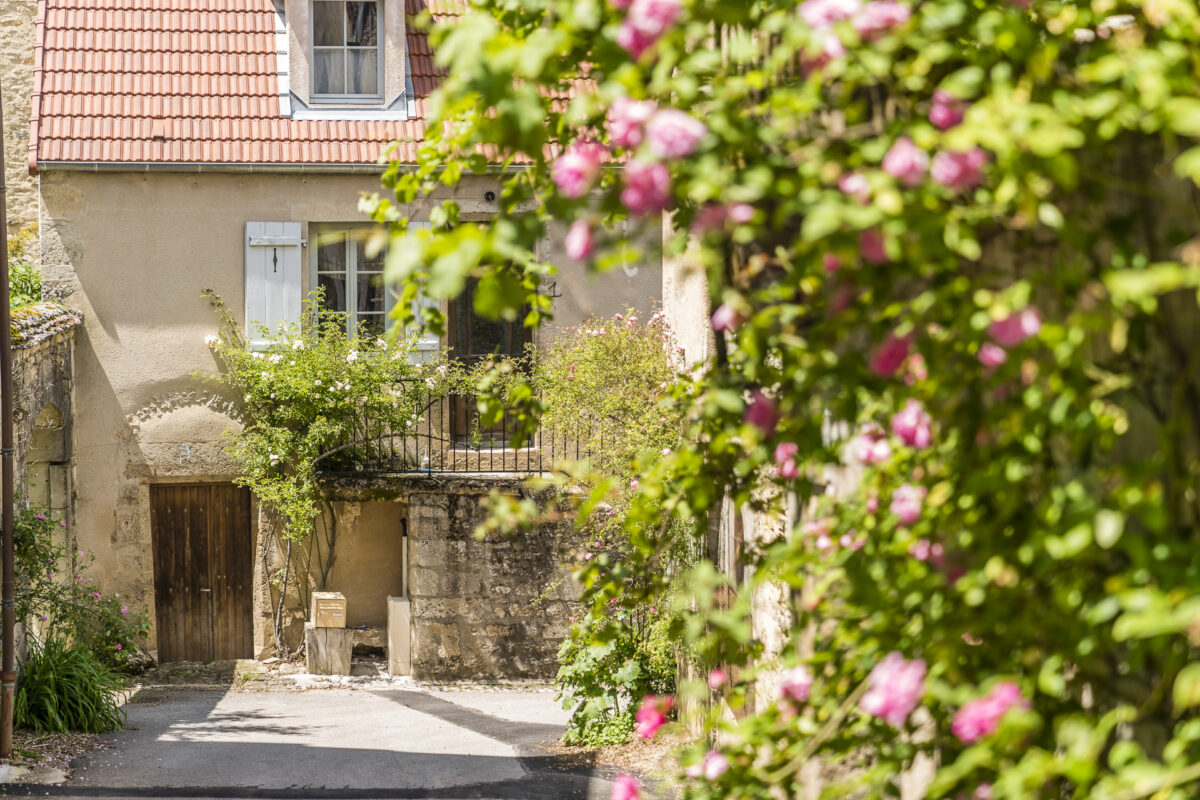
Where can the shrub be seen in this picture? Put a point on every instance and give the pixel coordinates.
(63, 687)
(24, 279)
(56, 597)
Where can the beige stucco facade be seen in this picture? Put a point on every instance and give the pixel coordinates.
(133, 252)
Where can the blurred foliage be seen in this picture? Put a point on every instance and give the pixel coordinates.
(1061, 481)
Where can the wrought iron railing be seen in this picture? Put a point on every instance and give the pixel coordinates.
(445, 437)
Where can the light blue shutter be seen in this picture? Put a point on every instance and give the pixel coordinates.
(273, 279)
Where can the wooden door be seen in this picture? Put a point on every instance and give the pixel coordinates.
(203, 568)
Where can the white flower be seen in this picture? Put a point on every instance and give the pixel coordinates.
(352, 357)
(317, 382)
(381, 344)
(275, 359)
(210, 340)
(298, 344)
(256, 355)
(266, 375)
(430, 382)
(247, 398)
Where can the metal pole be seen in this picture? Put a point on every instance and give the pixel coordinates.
(8, 669)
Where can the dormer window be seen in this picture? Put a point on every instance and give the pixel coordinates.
(347, 52)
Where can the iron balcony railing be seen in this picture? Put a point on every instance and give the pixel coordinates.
(445, 437)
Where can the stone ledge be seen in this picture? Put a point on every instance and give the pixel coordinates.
(32, 325)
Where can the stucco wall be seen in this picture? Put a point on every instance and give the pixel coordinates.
(16, 80)
(43, 402)
(369, 563)
(132, 252)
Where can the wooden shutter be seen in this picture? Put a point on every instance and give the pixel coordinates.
(273, 278)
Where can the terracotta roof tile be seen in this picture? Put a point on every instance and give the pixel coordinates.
(191, 81)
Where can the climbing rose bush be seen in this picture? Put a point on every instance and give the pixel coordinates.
(954, 321)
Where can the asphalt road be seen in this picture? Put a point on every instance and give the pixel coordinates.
(342, 743)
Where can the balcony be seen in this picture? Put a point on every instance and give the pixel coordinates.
(446, 438)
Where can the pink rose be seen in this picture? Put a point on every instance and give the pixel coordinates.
(710, 218)
(671, 133)
(626, 787)
(831, 263)
(577, 169)
(725, 318)
(872, 246)
(879, 17)
(896, 686)
(872, 503)
(824, 13)
(625, 119)
(620, 5)
(120, 646)
(924, 550)
(888, 357)
(829, 48)
(1016, 328)
(715, 765)
(654, 17)
(761, 412)
(959, 170)
(907, 501)
(785, 459)
(647, 188)
(981, 717)
(855, 184)
(717, 678)
(795, 684)
(991, 355)
(578, 242)
(912, 425)
(946, 111)
(633, 41)
(652, 714)
(906, 162)
(871, 446)
(741, 213)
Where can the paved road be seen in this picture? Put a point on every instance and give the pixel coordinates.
(382, 743)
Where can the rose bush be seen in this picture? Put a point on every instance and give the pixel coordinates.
(982, 207)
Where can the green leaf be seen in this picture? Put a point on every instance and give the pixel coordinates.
(1183, 115)
(1187, 687)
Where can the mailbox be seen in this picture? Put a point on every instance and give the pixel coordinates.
(328, 610)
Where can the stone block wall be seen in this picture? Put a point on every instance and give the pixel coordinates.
(483, 610)
(17, 19)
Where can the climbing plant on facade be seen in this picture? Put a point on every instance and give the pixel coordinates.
(949, 244)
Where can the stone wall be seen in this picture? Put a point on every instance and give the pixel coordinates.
(493, 609)
(16, 81)
(43, 371)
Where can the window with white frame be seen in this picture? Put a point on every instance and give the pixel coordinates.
(352, 281)
(347, 62)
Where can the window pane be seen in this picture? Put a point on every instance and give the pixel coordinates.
(362, 24)
(335, 291)
(371, 294)
(329, 71)
(327, 24)
(368, 264)
(372, 325)
(331, 252)
(364, 72)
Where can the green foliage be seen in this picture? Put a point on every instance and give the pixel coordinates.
(1058, 482)
(312, 394)
(24, 279)
(63, 687)
(608, 667)
(56, 599)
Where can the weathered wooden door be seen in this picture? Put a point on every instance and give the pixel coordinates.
(203, 568)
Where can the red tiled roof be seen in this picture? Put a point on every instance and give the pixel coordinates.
(191, 81)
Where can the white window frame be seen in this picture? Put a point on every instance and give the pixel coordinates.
(348, 99)
(351, 232)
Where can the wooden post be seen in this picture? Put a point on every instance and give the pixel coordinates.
(327, 651)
